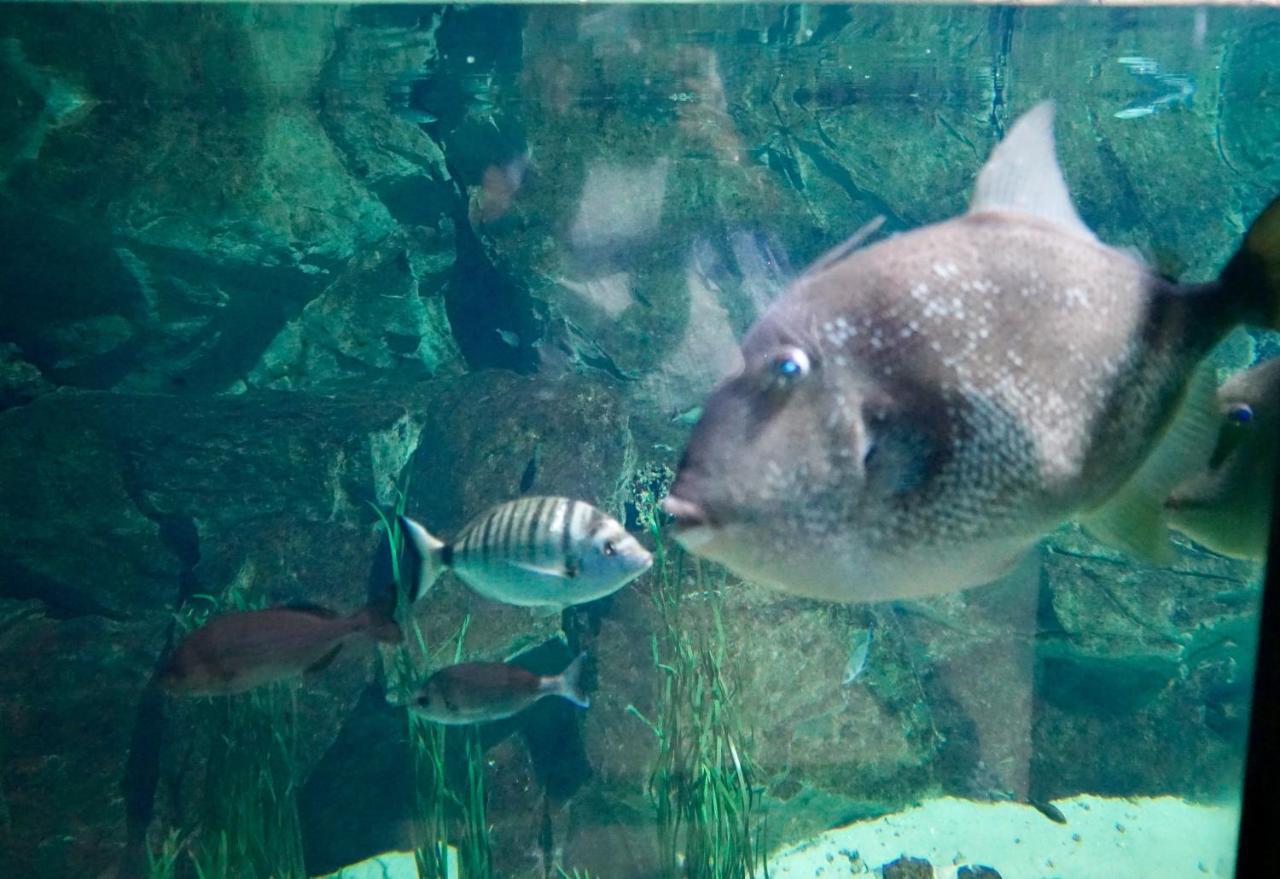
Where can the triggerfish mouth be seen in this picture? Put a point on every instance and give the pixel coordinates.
(915, 414)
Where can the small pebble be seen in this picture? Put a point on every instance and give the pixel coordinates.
(907, 868)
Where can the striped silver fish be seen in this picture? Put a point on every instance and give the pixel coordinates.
(548, 552)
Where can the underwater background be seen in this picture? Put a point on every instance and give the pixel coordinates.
(273, 271)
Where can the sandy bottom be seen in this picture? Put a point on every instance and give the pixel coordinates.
(1162, 838)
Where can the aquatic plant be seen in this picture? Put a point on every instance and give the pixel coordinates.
(248, 824)
(439, 808)
(573, 873)
(709, 817)
(163, 864)
(475, 857)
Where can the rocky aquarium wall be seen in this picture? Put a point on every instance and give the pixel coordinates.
(267, 267)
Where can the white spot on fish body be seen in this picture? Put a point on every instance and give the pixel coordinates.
(1077, 296)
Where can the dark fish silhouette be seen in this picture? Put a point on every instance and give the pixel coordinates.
(914, 415)
(246, 649)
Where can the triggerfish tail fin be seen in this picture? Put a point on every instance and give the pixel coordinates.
(430, 553)
(569, 683)
(1253, 275)
(1135, 518)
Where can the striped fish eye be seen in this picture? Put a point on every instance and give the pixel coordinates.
(608, 548)
(1240, 413)
(788, 366)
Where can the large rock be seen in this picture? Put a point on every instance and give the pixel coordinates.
(265, 495)
(220, 205)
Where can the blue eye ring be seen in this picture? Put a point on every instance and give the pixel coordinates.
(789, 365)
(1240, 413)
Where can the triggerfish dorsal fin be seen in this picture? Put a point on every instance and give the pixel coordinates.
(1022, 174)
(430, 552)
(569, 683)
(1135, 519)
(846, 247)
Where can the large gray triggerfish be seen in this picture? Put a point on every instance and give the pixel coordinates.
(549, 552)
(914, 415)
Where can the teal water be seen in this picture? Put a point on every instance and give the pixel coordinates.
(270, 267)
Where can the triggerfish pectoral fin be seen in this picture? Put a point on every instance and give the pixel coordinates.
(1135, 518)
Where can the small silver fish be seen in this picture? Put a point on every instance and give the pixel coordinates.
(477, 692)
(859, 649)
(1227, 506)
(549, 552)
(246, 649)
(913, 416)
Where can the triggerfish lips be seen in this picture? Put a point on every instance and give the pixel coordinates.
(694, 528)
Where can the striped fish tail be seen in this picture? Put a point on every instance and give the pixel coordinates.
(431, 554)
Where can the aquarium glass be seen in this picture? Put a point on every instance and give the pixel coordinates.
(274, 276)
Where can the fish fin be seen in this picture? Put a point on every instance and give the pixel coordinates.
(431, 555)
(1135, 518)
(569, 683)
(312, 608)
(324, 661)
(1253, 274)
(551, 570)
(377, 622)
(846, 247)
(1022, 174)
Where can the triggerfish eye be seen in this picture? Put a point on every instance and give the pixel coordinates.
(1240, 413)
(789, 365)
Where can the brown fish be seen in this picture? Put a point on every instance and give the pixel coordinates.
(477, 692)
(1227, 506)
(239, 651)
